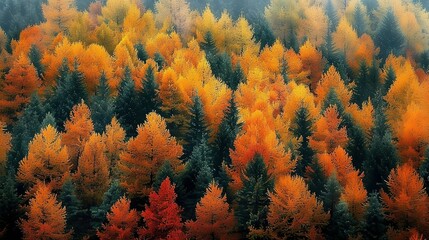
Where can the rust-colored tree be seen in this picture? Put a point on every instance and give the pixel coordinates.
(46, 218)
(92, 176)
(162, 215)
(122, 222)
(146, 153)
(47, 161)
(214, 218)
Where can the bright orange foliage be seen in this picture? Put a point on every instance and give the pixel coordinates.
(328, 135)
(122, 222)
(213, 216)
(294, 211)
(146, 153)
(21, 81)
(92, 176)
(114, 141)
(332, 79)
(77, 131)
(47, 160)
(355, 195)
(58, 14)
(312, 62)
(407, 204)
(46, 218)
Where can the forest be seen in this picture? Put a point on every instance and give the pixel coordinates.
(214, 119)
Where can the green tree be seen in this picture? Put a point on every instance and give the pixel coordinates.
(98, 213)
(141, 52)
(102, 105)
(36, 59)
(361, 91)
(424, 170)
(359, 22)
(389, 36)
(303, 129)
(166, 170)
(341, 223)
(331, 193)
(237, 77)
(389, 80)
(48, 120)
(147, 98)
(331, 12)
(9, 207)
(252, 199)
(262, 32)
(159, 59)
(374, 226)
(125, 104)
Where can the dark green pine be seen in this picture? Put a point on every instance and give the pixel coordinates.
(341, 224)
(160, 60)
(166, 170)
(331, 12)
(389, 36)
(148, 98)
(98, 213)
(284, 71)
(332, 100)
(252, 199)
(141, 52)
(197, 129)
(35, 57)
(102, 110)
(208, 45)
(329, 51)
(262, 32)
(359, 23)
(424, 170)
(389, 80)
(373, 79)
(315, 177)
(9, 207)
(303, 129)
(361, 91)
(48, 120)
(331, 193)
(237, 77)
(356, 147)
(125, 104)
(374, 225)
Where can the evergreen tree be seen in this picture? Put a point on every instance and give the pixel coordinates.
(9, 207)
(237, 77)
(209, 45)
(331, 12)
(389, 80)
(141, 52)
(284, 71)
(98, 213)
(359, 23)
(262, 32)
(125, 104)
(36, 59)
(166, 170)
(147, 98)
(424, 170)
(76, 216)
(332, 100)
(291, 40)
(222, 69)
(224, 141)
(28, 125)
(159, 59)
(389, 36)
(383, 156)
(48, 120)
(315, 177)
(361, 91)
(302, 129)
(373, 79)
(252, 200)
(197, 129)
(329, 50)
(195, 178)
(341, 223)
(102, 106)
(331, 193)
(356, 147)
(374, 226)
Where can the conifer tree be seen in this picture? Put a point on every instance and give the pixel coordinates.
(361, 91)
(48, 120)
(302, 129)
(331, 12)
(166, 170)
(389, 80)
(374, 219)
(141, 52)
(102, 106)
(424, 170)
(160, 61)
(262, 32)
(237, 77)
(36, 59)
(341, 223)
(98, 213)
(9, 206)
(147, 98)
(252, 199)
(125, 104)
(359, 23)
(331, 193)
(389, 36)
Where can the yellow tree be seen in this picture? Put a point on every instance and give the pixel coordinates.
(332, 80)
(4, 147)
(47, 160)
(312, 62)
(58, 14)
(114, 140)
(77, 131)
(46, 218)
(92, 176)
(294, 211)
(214, 218)
(175, 12)
(146, 153)
(345, 39)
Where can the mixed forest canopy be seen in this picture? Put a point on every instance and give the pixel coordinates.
(214, 119)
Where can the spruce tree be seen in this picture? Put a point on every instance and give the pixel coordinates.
(331, 12)
(389, 36)
(197, 129)
(160, 60)
(424, 170)
(262, 32)
(389, 80)
(356, 147)
(36, 59)
(341, 224)
(125, 104)
(374, 225)
(9, 207)
(361, 91)
(147, 98)
(76, 216)
(329, 51)
(332, 100)
(48, 120)
(359, 23)
(237, 77)
(209, 45)
(98, 213)
(315, 177)
(373, 79)
(102, 110)
(141, 52)
(331, 193)
(166, 170)
(302, 129)
(252, 199)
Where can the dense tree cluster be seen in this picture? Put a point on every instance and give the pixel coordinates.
(191, 119)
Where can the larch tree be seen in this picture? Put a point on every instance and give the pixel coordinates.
(122, 222)
(176, 12)
(162, 215)
(77, 131)
(114, 140)
(20, 82)
(47, 160)
(46, 218)
(146, 153)
(294, 211)
(92, 176)
(214, 217)
(58, 14)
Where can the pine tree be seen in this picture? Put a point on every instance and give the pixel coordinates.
(237, 77)
(197, 129)
(195, 178)
(359, 23)
(224, 141)
(209, 45)
(374, 226)
(361, 91)
(389, 36)
(147, 98)
(98, 213)
(284, 71)
(141, 52)
(125, 104)
(36, 59)
(48, 120)
(424, 170)
(160, 60)
(252, 199)
(356, 147)
(315, 177)
(329, 50)
(102, 106)
(262, 32)
(165, 171)
(302, 129)
(331, 12)
(332, 100)
(389, 80)
(9, 206)
(340, 226)
(331, 193)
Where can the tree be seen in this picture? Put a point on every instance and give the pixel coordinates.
(294, 211)
(331, 12)
(389, 36)
(214, 218)
(165, 171)
(252, 199)
(146, 153)
(389, 80)
(141, 53)
(17, 87)
(35, 57)
(148, 98)
(424, 170)
(406, 203)
(197, 129)
(77, 131)
(331, 194)
(102, 106)
(76, 216)
(125, 104)
(341, 223)
(111, 196)
(114, 139)
(47, 161)
(374, 219)
(58, 14)
(92, 176)
(46, 218)
(162, 215)
(359, 20)
(9, 206)
(5, 146)
(303, 129)
(122, 222)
